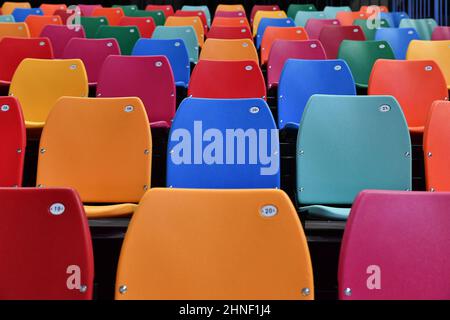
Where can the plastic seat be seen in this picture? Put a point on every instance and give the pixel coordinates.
(127, 9)
(92, 52)
(158, 16)
(229, 14)
(230, 50)
(331, 11)
(175, 51)
(13, 142)
(146, 26)
(37, 23)
(113, 15)
(370, 32)
(14, 50)
(293, 9)
(347, 144)
(271, 22)
(331, 38)
(314, 26)
(17, 29)
(200, 14)
(210, 167)
(347, 18)
(20, 14)
(415, 84)
(203, 8)
(302, 17)
(441, 33)
(266, 14)
(230, 7)
(231, 80)
(85, 148)
(300, 79)
(67, 16)
(253, 240)
(424, 27)
(195, 22)
(438, 51)
(230, 22)
(393, 18)
(166, 8)
(186, 33)
(88, 9)
(230, 33)
(92, 24)
(262, 7)
(385, 234)
(273, 34)
(150, 78)
(49, 9)
(8, 7)
(38, 83)
(380, 8)
(59, 37)
(7, 18)
(126, 36)
(398, 39)
(52, 259)
(361, 56)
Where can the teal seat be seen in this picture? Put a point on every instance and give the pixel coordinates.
(424, 27)
(126, 36)
(7, 18)
(205, 9)
(186, 33)
(330, 12)
(294, 8)
(347, 144)
(303, 16)
(371, 30)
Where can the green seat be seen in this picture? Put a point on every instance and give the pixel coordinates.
(361, 56)
(158, 15)
(205, 9)
(370, 32)
(302, 17)
(92, 24)
(424, 27)
(127, 9)
(186, 33)
(126, 36)
(294, 8)
(347, 144)
(330, 12)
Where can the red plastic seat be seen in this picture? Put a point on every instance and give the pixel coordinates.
(230, 22)
(92, 52)
(282, 50)
(441, 33)
(60, 35)
(243, 32)
(146, 25)
(332, 36)
(88, 9)
(66, 14)
(147, 77)
(346, 18)
(200, 14)
(37, 23)
(314, 26)
(395, 246)
(227, 80)
(229, 14)
(113, 15)
(166, 8)
(262, 7)
(49, 9)
(45, 245)
(14, 50)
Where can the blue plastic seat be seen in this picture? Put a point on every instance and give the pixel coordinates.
(271, 22)
(20, 14)
(394, 18)
(187, 33)
(7, 18)
(300, 79)
(176, 52)
(303, 16)
(398, 39)
(223, 144)
(347, 144)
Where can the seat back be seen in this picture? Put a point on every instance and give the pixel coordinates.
(332, 36)
(376, 7)
(441, 33)
(195, 22)
(127, 9)
(302, 17)
(230, 33)
(157, 16)
(167, 9)
(92, 24)
(203, 8)
(187, 33)
(229, 14)
(220, 49)
(424, 27)
(145, 25)
(262, 7)
(332, 11)
(126, 36)
(293, 9)
(20, 14)
(398, 39)
(8, 7)
(314, 26)
(266, 14)
(230, 7)
(347, 144)
(200, 14)
(17, 29)
(346, 18)
(230, 22)
(371, 29)
(60, 36)
(271, 22)
(113, 15)
(37, 23)
(273, 34)
(397, 18)
(87, 9)
(49, 8)
(7, 18)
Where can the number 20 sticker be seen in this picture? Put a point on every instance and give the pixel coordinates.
(269, 211)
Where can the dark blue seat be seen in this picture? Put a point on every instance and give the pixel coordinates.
(20, 14)
(271, 22)
(398, 39)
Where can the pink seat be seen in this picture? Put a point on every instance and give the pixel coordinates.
(262, 7)
(87, 9)
(243, 32)
(229, 14)
(332, 36)
(147, 77)
(282, 50)
(146, 25)
(441, 33)
(45, 245)
(314, 26)
(92, 52)
(61, 35)
(396, 246)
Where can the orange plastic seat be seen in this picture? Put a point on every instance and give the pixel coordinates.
(230, 7)
(8, 7)
(101, 147)
(17, 29)
(381, 8)
(266, 14)
(195, 22)
(346, 18)
(230, 22)
(415, 84)
(436, 145)
(215, 244)
(37, 23)
(225, 49)
(49, 9)
(113, 15)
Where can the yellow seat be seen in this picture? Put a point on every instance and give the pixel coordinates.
(266, 14)
(16, 29)
(8, 7)
(101, 147)
(215, 244)
(230, 7)
(224, 49)
(439, 51)
(195, 22)
(38, 83)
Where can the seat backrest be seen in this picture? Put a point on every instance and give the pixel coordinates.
(400, 78)
(302, 17)
(20, 14)
(126, 36)
(376, 7)
(266, 14)
(273, 34)
(243, 32)
(370, 29)
(14, 50)
(92, 24)
(314, 26)
(8, 7)
(92, 52)
(392, 238)
(230, 7)
(331, 11)
(293, 9)
(127, 9)
(203, 8)
(361, 56)
(17, 29)
(200, 14)
(187, 33)
(88, 9)
(148, 77)
(441, 33)
(157, 16)
(195, 22)
(424, 27)
(231, 162)
(332, 36)
(83, 147)
(60, 36)
(37, 23)
(398, 39)
(230, 22)
(235, 49)
(7, 18)
(262, 7)
(397, 18)
(229, 14)
(166, 8)
(346, 18)
(300, 79)
(347, 144)
(227, 80)
(436, 144)
(113, 15)
(271, 22)
(53, 258)
(49, 8)
(146, 25)
(13, 142)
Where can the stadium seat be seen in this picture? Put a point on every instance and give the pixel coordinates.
(146, 25)
(300, 79)
(49, 9)
(331, 38)
(370, 32)
(88, 9)
(380, 8)
(229, 14)
(223, 165)
(361, 56)
(84, 146)
(67, 16)
(262, 7)
(113, 15)
(127, 9)
(38, 83)
(175, 51)
(200, 14)
(92, 24)
(293, 9)
(203, 8)
(8, 7)
(243, 32)
(415, 84)
(148, 77)
(314, 26)
(230, 22)
(438, 51)
(266, 14)
(331, 12)
(393, 247)
(20, 14)
(436, 145)
(61, 35)
(126, 36)
(167, 9)
(282, 50)
(347, 144)
(92, 52)
(302, 17)
(260, 270)
(7, 18)
(271, 22)
(17, 29)
(347, 18)
(12, 142)
(14, 50)
(37, 23)
(441, 33)
(424, 27)
(195, 22)
(186, 33)
(398, 39)
(396, 17)
(227, 80)
(158, 16)
(231, 50)
(230, 7)
(45, 245)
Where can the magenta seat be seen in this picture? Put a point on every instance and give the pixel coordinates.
(60, 36)
(87, 9)
(396, 246)
(229, 14)
(441, 33)
(147, 77)
(332, 36)
(314, 26)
